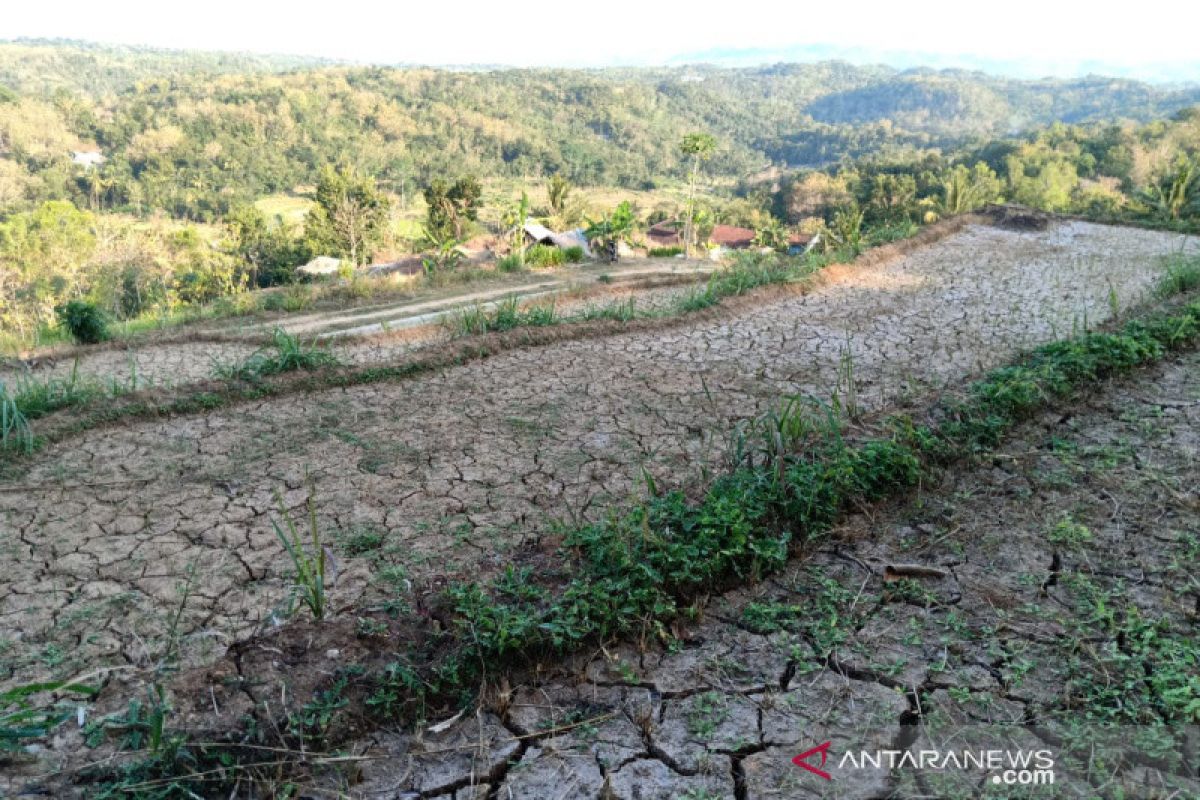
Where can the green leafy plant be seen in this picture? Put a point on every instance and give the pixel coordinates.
(84, 321)
(444, 253)
(22, 720)
(545, 255)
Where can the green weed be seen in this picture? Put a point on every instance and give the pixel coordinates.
(308, 563)
(286, 354)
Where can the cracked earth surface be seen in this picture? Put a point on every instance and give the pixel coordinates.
(997, 649)
(445, 475)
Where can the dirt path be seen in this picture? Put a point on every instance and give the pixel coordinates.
(348, 331)
(1012, 648)
(446, 474)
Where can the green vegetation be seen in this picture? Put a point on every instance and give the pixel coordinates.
(86, 323)
(506, 315)
(543, 255)
(664, 252)
(214, 183)
(794, 471)
(22, 720)
(286, 354)
(15, 433)
(308, 559)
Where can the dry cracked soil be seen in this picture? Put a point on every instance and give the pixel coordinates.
(1000, 642)
(446, 475)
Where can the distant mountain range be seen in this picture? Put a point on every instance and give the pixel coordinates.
(1163, 72)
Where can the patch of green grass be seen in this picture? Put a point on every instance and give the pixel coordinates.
(506, 315)
(15, 433)
(1069, 533)
(286, 354)
(622, 311)
(1182, 275)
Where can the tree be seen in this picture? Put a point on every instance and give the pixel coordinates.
(514, 218)
(815, 194)
(558, 189)
(350, 216)
(698, 147)
(1176, 191)
(1051, 187)
(452, 206)
(964, 190)
(271, 251)
(771, 234)
(43, 258)
(892, 197)
(845, 231)
(613, 228)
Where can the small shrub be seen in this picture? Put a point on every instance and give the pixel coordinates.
(544, 255)
(294, 297)
(86, 323)
(573, 255)
(1182, 275)
(510, 263)
(665, 252)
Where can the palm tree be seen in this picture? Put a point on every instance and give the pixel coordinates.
(699, 147)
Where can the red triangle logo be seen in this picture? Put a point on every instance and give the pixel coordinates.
(802, 760)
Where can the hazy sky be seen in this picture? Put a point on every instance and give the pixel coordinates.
(1155, 37)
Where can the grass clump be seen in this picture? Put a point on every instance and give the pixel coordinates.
(286, 354)
(22, 720)
(84, 321)
(308, 560)
(573, 254)
(664, 252)
(15, 433)
(622, 311)
(504, 316)
(511, 263)
(1182, 275)
(545, 255)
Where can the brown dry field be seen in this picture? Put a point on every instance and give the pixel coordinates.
(444, 476)
(994, 653)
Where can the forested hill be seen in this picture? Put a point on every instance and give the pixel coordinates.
(43, 66)
(194, 133)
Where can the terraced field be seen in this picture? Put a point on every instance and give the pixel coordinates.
(125, 537)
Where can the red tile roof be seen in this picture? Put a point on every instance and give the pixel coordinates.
(730, 236)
